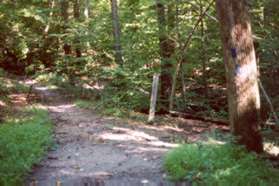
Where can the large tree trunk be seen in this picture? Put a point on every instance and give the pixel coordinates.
(241, 72)
(167, 49)
(116, 32)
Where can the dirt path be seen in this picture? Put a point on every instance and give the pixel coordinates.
(96, 150)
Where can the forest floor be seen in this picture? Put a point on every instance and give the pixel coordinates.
(96, 150)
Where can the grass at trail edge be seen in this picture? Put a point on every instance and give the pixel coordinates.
(23, 142)
(226, 164)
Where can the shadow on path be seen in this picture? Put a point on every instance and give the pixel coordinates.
(95, 150)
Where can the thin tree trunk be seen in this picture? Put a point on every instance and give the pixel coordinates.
(241, 72)
(204, 55)
(77, 17)
(183, 85)
(87, 14)
(86, 11)
(52, 4)
(182, 73)
(269, 103)
(181, 58)
(116, 32)
(65, 15)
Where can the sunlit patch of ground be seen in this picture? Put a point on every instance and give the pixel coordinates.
(98, 146)
(18, 99)
(61, 108)
(271, 143)
(137, 136)
(13, 96)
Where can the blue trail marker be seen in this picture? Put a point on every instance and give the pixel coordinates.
(233, 53)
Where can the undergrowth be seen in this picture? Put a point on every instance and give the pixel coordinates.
(23, 142)
(109, 101)
(8, 85)
(226, 164)
(84, 104)
(101, 108)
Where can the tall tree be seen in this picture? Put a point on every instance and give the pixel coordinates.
(241, 72)
(87, 13)
(166, 22)
(48, 43)
(203, 50)
(77, 18)
(116, 32)
(65, 15)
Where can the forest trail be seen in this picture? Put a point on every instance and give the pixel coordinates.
(97, 150)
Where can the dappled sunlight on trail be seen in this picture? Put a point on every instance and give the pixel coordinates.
(61, 108)
(101, 149)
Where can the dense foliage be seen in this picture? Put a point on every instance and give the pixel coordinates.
(74, 40)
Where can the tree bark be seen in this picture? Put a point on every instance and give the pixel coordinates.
(167, 49)
(87, 14)
(77, 18)
(116, 32)
(241, 72)
(65, 15)
(51, 5)
(204, 52)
